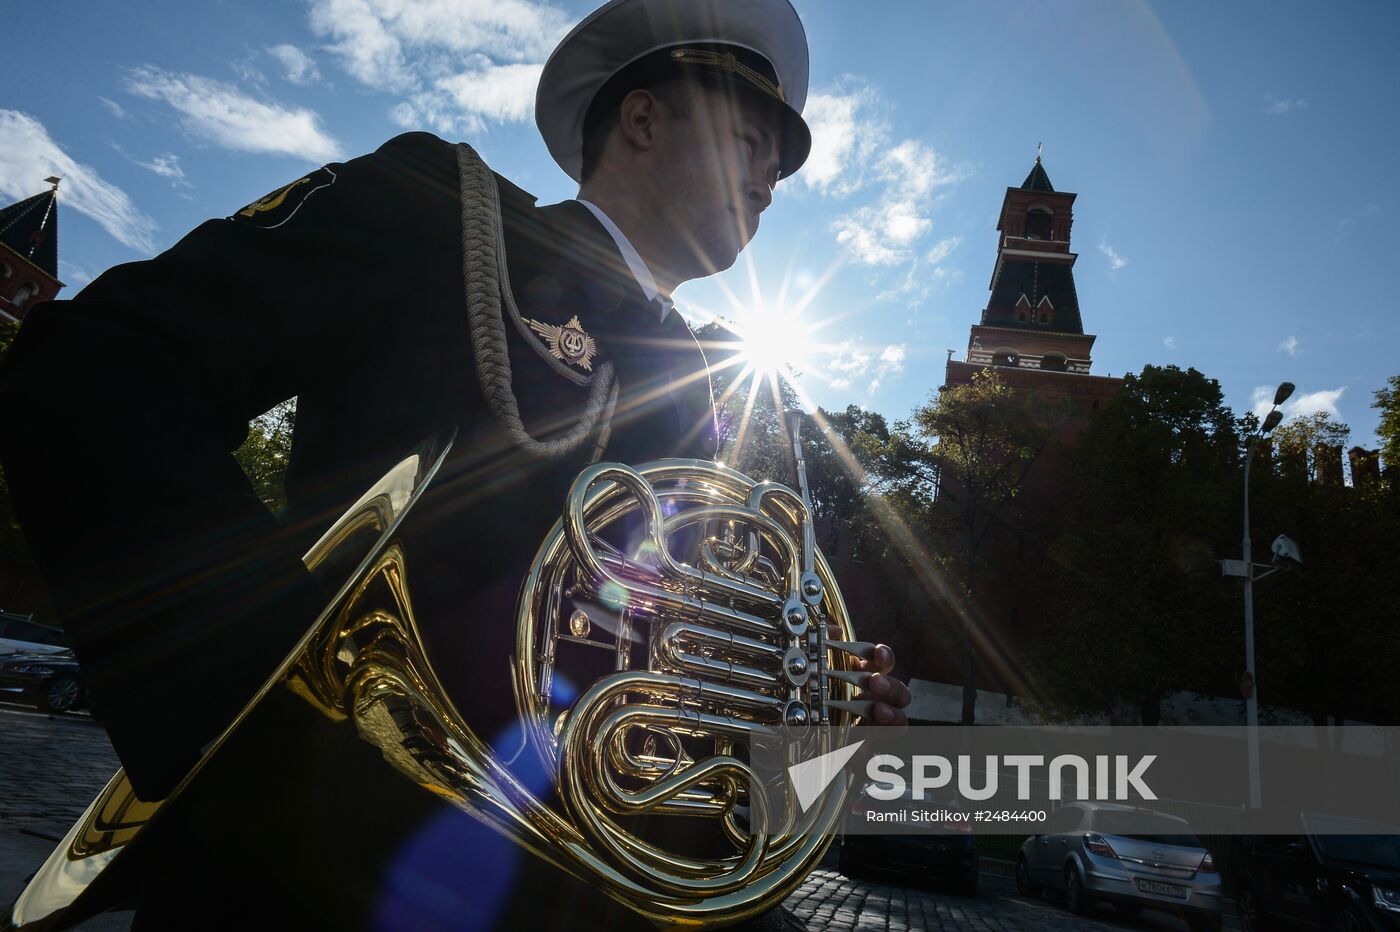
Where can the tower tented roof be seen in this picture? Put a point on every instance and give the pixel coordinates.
(30, 228)
(1037, 180)
(1035, 280)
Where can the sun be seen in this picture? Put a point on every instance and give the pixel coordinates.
(773, 343)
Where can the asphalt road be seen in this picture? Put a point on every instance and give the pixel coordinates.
(51, 767)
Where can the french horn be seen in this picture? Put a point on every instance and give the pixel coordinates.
(701, 590)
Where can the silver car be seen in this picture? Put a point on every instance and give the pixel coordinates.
(1132, 858)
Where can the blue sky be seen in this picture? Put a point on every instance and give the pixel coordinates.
(1234, 162)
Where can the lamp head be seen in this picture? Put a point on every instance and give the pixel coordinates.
(1271, 421)
(1284, 390)
(1287, 552)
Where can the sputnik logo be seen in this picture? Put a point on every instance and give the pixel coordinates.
(811, 777)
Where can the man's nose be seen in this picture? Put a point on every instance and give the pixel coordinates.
(759, 195)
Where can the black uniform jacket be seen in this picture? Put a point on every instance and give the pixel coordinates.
(179, 590)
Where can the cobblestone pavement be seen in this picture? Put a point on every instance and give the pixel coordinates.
(830, 900)
(51, 767)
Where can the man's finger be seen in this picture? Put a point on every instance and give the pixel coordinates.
(889, 690)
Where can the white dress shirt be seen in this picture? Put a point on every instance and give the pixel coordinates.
(634, 261)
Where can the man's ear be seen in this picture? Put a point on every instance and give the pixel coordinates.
(637, 116)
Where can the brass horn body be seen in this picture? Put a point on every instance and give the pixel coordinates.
(699, 592)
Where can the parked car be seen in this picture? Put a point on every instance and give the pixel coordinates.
(1319, 878)
(22, 634)
(1133, 858)
(944, 853)
(51, 681)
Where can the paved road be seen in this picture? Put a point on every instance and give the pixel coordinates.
(51, 767)
(830, 900)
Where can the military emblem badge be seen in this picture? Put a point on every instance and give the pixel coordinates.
(569, 342)
(275, 209)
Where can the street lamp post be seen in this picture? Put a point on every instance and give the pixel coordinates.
(1252, 699)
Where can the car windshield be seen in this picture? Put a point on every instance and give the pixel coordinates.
(1377, 850)
(1146, 826)
(1355, 840)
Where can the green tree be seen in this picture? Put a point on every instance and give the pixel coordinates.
(952, 473)
(1326, 633)
(1388, 403)
(1306, 442)
(1152, 496)
(266, 451)
(750, 407)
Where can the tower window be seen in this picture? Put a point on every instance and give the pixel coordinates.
(1038, 223)
(4, 270)
(1054, 362)
(1006, 359)
(25, 292)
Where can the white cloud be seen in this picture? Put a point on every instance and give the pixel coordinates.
(885, 233)
(299, 67)
(72, 275)
(167, 166)
(854, 150)
(844, 136)
(113, 108)
(850, 359)
(1289, 346)
(1370, 210)
(1273, 106)
(1115, 261)
(942, 250)
(882, 233)
(1169, 342)
(456, 63)
(892, 359)
(1313, 402)
(463, 103)
(224, 115)
(28, 155)
(1324, 400)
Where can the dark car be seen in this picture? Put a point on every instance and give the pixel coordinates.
(1320, 878)
(51, 681)
(944, 854)
(22, 634)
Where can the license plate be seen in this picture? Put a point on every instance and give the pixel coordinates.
(1162, 889)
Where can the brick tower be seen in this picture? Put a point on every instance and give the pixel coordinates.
(1031, 330)
(29, 253)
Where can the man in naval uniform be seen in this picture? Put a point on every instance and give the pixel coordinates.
(386, 297)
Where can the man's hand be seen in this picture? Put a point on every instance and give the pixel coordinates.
(890, 695)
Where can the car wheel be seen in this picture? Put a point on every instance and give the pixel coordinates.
(1077, 899)
(1024, 885)
(1247, 909)
(61, 694)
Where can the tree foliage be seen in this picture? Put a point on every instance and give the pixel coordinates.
(951, 474)
(266, 452)
(1388, 403)
(1142, 603)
